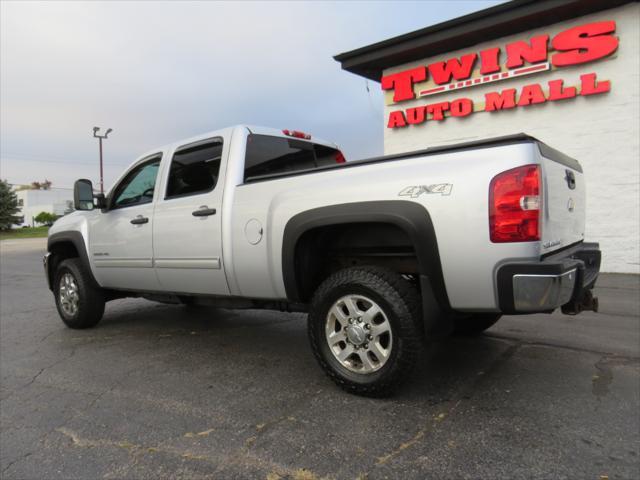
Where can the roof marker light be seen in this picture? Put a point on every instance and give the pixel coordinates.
(296, 134)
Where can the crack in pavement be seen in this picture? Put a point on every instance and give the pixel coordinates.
(263, 427)
(35, 377)
(19, 459)
(463, 394)
(603, 377)
(600, 385)
(137, 450)
(557, 345)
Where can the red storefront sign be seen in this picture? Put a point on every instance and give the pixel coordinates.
(494, 101)
(574, 46)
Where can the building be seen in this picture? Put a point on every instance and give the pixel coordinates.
(58, 201)
(563, 71)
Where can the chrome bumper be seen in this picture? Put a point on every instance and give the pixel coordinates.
(563, 279)
(536, 293)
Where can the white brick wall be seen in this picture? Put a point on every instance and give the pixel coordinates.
(601, 131)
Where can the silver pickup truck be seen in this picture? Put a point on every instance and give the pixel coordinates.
(382, 253)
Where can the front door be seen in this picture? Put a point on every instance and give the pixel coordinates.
(187, 229)
(120, 239)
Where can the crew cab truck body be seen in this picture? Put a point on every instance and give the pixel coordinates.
(382, 252)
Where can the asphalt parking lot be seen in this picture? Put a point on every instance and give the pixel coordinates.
(157, 391)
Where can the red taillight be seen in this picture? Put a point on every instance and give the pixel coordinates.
(297, 134)
(340, 157)
(514, 205)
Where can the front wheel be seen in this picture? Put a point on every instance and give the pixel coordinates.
(80, 303)
(364, 329)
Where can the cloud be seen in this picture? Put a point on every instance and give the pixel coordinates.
(159, 71)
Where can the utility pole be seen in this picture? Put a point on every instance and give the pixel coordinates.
(100, 137)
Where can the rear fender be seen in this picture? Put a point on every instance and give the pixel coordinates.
(411, 217)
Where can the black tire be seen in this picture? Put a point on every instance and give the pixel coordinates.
(399, 301)
(473, 325)
(90, 304)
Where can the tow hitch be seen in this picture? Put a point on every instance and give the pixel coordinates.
(587, 302)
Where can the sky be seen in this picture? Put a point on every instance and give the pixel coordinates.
(159, 71)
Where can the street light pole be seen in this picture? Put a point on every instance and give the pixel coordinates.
(100, 138)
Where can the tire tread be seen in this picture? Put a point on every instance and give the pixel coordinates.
(404, 298)
(92, 299)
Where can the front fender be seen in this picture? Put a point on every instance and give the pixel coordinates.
(55, 243)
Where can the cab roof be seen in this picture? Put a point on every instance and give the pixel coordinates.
(226, 132)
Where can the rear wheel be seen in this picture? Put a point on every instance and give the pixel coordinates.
(80, 303)
(364, 329)
(473, 325)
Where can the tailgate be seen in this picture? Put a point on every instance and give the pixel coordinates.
(564, 201)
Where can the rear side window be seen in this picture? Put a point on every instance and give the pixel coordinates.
(268, 155)
(194, 169)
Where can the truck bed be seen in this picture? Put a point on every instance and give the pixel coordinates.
(546, 150)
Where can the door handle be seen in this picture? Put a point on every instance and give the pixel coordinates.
(203, 211)
(139, 220)
(571, 179)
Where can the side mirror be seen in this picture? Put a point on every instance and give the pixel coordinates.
(83, 195)
(100, 201)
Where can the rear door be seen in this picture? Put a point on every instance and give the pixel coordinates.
(187, 229)
(564, 201)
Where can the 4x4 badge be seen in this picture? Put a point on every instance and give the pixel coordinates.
(414, 191)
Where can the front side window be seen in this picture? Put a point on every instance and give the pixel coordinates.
(268, 155)
(138, 186)
(195, 169)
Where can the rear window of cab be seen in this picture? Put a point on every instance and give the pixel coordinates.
(267, 155)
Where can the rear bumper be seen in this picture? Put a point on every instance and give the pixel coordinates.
(564, 279)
